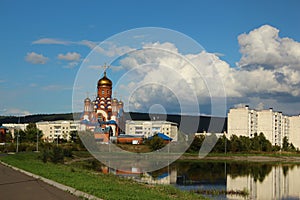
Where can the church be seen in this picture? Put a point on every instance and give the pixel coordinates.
(104, 114)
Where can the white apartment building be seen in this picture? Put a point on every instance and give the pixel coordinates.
(242, 121)
(53, 129)
(149, 128)
(294, 130)
(245, 122)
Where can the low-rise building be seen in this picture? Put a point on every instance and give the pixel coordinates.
(12, 128)
(150, 128)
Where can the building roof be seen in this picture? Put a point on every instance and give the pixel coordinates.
(3, 127)
(162, 136)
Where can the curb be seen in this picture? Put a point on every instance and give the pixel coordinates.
(55, 184)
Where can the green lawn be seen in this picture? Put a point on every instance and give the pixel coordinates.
(100, 185)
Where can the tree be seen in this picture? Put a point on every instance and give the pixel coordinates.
(156, 143)
(32, 132)
(220, 145)
(265, 144)
(285, 144)
(234, 144)
(196, 144)
(245, 144)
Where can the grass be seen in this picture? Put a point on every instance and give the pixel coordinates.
(104, 186)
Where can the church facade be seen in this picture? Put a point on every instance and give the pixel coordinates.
(103, 114)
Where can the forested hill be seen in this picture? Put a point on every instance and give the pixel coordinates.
(35, 118)
(201, 123)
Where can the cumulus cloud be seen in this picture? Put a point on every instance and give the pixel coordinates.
(269, 63)
(70, 56)
(263, 46)
(267, 73)
(35, 58)
(158, 73)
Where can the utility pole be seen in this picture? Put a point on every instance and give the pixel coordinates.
(17, 150)
(225, 145)
(37, 140)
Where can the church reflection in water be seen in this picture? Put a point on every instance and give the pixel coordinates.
(261, 181)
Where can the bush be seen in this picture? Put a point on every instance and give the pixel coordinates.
(57, 155)
(45, 155)
(155, 143)
(54, 154)
(68, 152)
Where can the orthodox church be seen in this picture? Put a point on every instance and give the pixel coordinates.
(104, 114)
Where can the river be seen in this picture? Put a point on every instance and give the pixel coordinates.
(258, 180)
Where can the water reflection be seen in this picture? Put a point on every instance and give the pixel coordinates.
(270, 182)
(261, 181)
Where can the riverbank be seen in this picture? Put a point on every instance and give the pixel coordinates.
(105, 186)
(258, 157)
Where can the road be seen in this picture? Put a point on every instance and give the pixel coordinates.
(15, 185)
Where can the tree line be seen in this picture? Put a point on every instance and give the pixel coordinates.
(235, 144)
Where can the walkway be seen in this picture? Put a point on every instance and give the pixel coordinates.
(15, 185)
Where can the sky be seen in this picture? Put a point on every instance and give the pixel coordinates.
(252, 46)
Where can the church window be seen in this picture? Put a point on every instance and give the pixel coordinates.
(102, 91)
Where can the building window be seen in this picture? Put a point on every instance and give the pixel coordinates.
(102, 91)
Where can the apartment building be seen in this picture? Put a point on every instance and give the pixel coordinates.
(149, 128)
(57, 129)
(294, 130)
(244, 121)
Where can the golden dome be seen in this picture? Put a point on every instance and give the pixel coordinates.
(104, 81)
(87, 100)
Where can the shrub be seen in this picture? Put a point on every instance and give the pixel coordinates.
(57, 155)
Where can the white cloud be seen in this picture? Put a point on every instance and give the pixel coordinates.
(51, 41)
(269, 69)
(15, 112)
(35, 58)
(70, 56)
(263, 46)
(96, 67)
(56, 87)
(33, 85)
(71, 65)
(108, 48)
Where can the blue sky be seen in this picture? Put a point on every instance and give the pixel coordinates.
(38, 76)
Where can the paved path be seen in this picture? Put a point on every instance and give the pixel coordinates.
(15, 185)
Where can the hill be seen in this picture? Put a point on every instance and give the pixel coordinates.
(191, 123)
